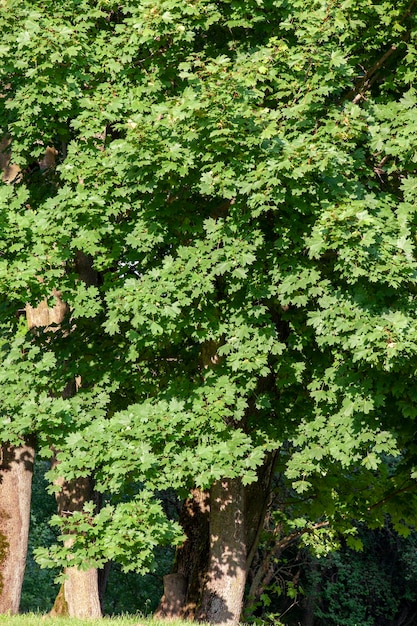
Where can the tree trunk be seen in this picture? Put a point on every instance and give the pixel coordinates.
(79, 595)
(174, 598)
(16, 471)
(257, 497)
(215, 570)
(183, 587)
(225, 582)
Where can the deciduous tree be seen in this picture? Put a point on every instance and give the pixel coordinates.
(243, 176)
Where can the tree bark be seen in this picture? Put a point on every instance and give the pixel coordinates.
(225, 581)
(79, 594)
(183, 587)
(174, 598)
(16, 471)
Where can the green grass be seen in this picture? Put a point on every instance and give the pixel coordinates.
(32, 619)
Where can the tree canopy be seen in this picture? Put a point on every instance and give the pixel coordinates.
(241, 177)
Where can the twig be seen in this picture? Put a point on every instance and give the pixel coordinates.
(390, 496)
(365, 81)
(356, 94)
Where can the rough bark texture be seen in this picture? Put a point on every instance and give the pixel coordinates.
(16, 471)
(78, 595)
(81, 593)
(183, 587)
(45, 316)
(225, 582)
(174, 598)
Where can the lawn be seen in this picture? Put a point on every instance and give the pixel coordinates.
(32, 619)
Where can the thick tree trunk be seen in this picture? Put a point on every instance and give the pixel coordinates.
(212, 588)
(183, 587)
(225, 582)
(16, 471)
(79, 595)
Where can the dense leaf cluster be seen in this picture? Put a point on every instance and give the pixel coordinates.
(241, 175)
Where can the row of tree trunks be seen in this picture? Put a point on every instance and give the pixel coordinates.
(222, 527)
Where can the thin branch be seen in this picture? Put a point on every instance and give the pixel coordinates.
(365, 82)
(357, 93)
(282, 545)
(254, 547)
(390, 496)
(265, 571)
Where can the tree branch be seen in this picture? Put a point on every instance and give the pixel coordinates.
(357, 93)
(390, 496)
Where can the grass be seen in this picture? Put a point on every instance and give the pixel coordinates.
(36, 619)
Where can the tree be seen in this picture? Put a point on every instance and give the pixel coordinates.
(242, 175)
(16, 469)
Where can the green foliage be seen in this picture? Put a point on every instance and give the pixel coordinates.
(139, 524)
(38, 620)
(375, 585)
(371, 583)
(125, 593)
(242, 176)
